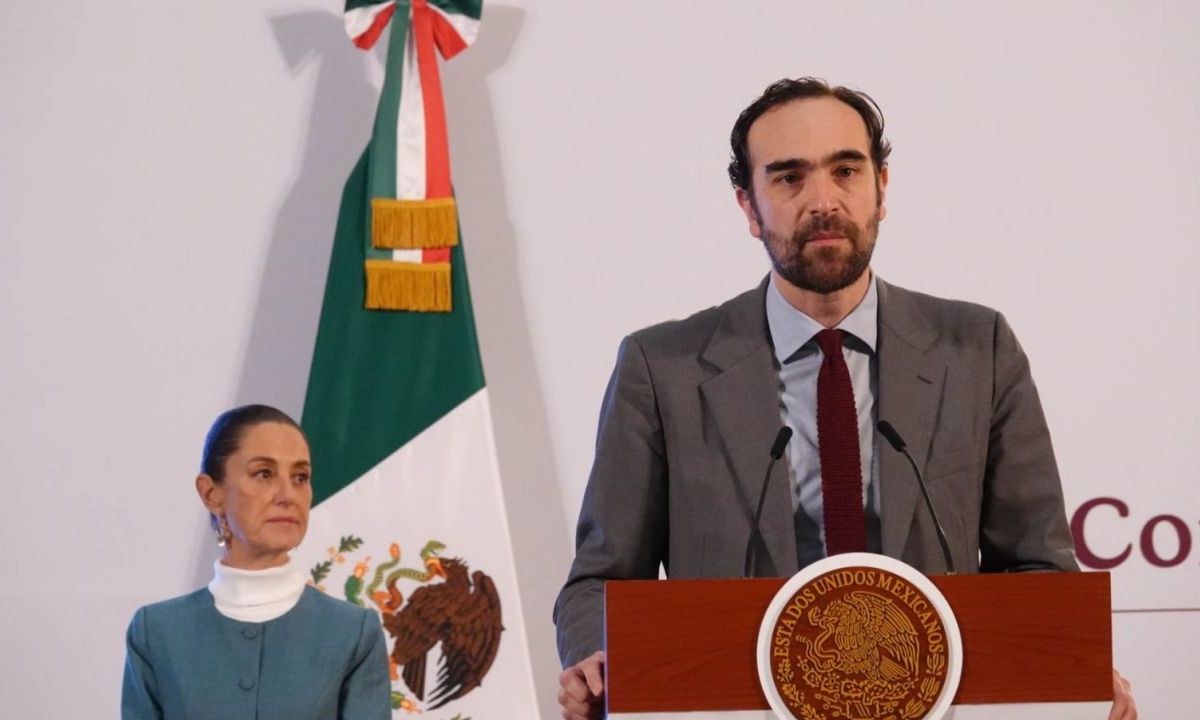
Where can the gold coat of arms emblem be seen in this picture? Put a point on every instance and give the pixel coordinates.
(859, 639)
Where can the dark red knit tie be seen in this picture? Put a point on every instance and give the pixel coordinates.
(837, 439)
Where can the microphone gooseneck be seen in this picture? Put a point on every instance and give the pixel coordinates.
(777, 447)
(889, 433)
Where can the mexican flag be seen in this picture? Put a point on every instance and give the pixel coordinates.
(408, 514)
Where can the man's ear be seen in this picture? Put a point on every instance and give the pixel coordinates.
(747, 205)
(211, 493)
(881, 188)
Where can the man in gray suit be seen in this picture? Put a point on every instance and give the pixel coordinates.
(693, 405)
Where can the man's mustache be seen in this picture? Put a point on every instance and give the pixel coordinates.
(826, 224)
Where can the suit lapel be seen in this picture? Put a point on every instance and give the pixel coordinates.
(743, 402)
(911, 377)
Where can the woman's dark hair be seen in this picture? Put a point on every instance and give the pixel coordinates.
(227, 431)
(787, 90)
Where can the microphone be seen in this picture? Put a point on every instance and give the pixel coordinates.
(781, 440)
(889, 433)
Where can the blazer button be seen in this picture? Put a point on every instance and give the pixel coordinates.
(246, 683)
(250, 633)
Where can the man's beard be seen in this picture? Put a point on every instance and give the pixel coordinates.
(827, 268)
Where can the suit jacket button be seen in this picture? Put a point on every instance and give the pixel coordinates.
(246, 683)
(250, 633)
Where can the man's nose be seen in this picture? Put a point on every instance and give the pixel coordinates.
(823, 198)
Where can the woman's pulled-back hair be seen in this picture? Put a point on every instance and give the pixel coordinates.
(227, 431)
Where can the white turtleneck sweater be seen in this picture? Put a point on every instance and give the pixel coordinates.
(255, 595)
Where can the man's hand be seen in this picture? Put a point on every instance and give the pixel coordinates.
(1123, 707)
(581, 689)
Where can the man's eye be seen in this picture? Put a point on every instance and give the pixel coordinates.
(264, 474)
(788, 179)
(302, 478)
(847, 172)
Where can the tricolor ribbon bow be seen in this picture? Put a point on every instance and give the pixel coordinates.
(414, 221)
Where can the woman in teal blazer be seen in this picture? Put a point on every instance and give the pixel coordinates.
(258, 643)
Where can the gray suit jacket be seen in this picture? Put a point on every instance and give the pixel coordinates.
(692, 408)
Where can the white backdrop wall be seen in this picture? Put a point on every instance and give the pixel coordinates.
(169, 178)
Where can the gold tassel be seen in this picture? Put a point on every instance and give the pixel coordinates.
(408, 224)
(424, 287)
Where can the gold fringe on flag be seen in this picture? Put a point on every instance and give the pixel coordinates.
(409, 224)
(424, 287)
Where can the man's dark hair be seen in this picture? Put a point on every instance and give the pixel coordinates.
(787, 90)
(225, 436)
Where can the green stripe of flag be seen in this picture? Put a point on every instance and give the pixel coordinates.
(383, 139)
(471, 8)
(380, 377)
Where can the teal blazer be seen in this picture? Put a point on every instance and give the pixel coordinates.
(324, 659)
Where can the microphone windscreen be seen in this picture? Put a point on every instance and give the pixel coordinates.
(781, 441)
(889, 433)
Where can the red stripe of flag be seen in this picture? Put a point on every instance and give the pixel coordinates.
(370, 36)
(437, 144)
(435, 255)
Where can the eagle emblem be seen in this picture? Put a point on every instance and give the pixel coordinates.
(453, 614)
(867, 635)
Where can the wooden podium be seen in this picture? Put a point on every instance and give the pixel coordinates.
(688, 646)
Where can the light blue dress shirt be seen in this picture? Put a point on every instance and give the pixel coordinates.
(793, 335)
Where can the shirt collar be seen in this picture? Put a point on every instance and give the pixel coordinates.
(255, 595)
(791, 329)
